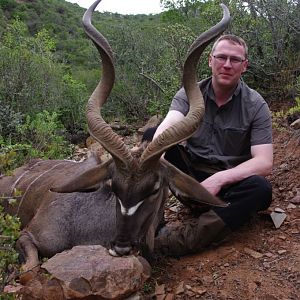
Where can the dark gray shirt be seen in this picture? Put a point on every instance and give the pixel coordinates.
(224, 138)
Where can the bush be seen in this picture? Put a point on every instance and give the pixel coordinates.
(9, 232)
(9, 121)
(41, 136)
(295, 109)
(45, 133)
(13, 156)
(32, 80)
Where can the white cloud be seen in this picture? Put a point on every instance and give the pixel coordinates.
(124, 6)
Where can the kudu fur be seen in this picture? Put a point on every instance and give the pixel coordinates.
(118, 203)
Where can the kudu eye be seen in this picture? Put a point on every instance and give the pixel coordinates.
(156, 188)
(154, 191)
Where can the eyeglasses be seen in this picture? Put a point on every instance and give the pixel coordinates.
(234, 60)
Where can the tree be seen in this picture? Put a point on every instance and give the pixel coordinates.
(32, 81)
(272, 31)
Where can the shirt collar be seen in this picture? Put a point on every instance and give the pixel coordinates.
(211, 94)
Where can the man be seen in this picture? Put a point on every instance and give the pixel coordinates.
(229, 154)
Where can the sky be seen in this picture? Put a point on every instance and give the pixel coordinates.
(124, 7)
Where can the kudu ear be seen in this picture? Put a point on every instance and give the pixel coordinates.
(187, 187)
(88, 181)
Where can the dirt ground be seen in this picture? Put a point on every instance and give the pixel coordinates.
(257, 262)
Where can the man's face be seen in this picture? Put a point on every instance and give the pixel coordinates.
(227, 72)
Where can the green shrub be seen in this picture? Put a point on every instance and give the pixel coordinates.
(72, 105)
(32, 80)
(296, 108)
(41, 136)
(13, 156)
(9, 232)
(45, 133)
(9, 121)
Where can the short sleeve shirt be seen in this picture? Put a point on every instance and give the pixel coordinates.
(226, 134)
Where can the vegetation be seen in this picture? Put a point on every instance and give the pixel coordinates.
(52, 66)
(9, 232)
(41, 137)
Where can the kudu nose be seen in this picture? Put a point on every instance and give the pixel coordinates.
(123, 250)
(120, 249)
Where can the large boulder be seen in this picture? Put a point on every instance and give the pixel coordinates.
(87, 272)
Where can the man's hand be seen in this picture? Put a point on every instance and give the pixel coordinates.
(214, 183)
(260, 164)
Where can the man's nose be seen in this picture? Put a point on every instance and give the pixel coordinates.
(228, 63)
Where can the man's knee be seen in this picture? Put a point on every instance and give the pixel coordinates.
(247, 197)
(262, 190)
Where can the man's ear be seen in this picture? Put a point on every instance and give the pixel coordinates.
(185, 186)
(209, 60)
(245, 65)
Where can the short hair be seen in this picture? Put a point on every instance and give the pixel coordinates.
(233, 39)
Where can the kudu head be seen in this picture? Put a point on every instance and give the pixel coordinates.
(140, 183)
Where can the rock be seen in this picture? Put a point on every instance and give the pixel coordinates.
(180, 288)
(268, 254)
(153, 122)
(253, 253)
(88, 272)
(279, 210)
(189, 294)
(296, 124)
(284, 167)
(278, 218)
(95, 147)
(170, 297)
(174, 209)
(160, 289)
(90, 141)
(136, 296)
(291, 206)
(296, 200)
(12, 289)
(208, 280)
(282, 237)
(199, 291)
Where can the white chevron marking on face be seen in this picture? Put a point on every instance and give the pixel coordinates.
(129, 211)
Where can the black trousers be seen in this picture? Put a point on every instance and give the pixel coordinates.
(246, 197)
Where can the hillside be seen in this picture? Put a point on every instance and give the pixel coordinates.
(63, 21)
(48, 64)
(73, 56)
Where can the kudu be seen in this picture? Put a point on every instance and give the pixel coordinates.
(118, 203)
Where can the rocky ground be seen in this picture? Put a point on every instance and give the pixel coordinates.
(258, 262)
